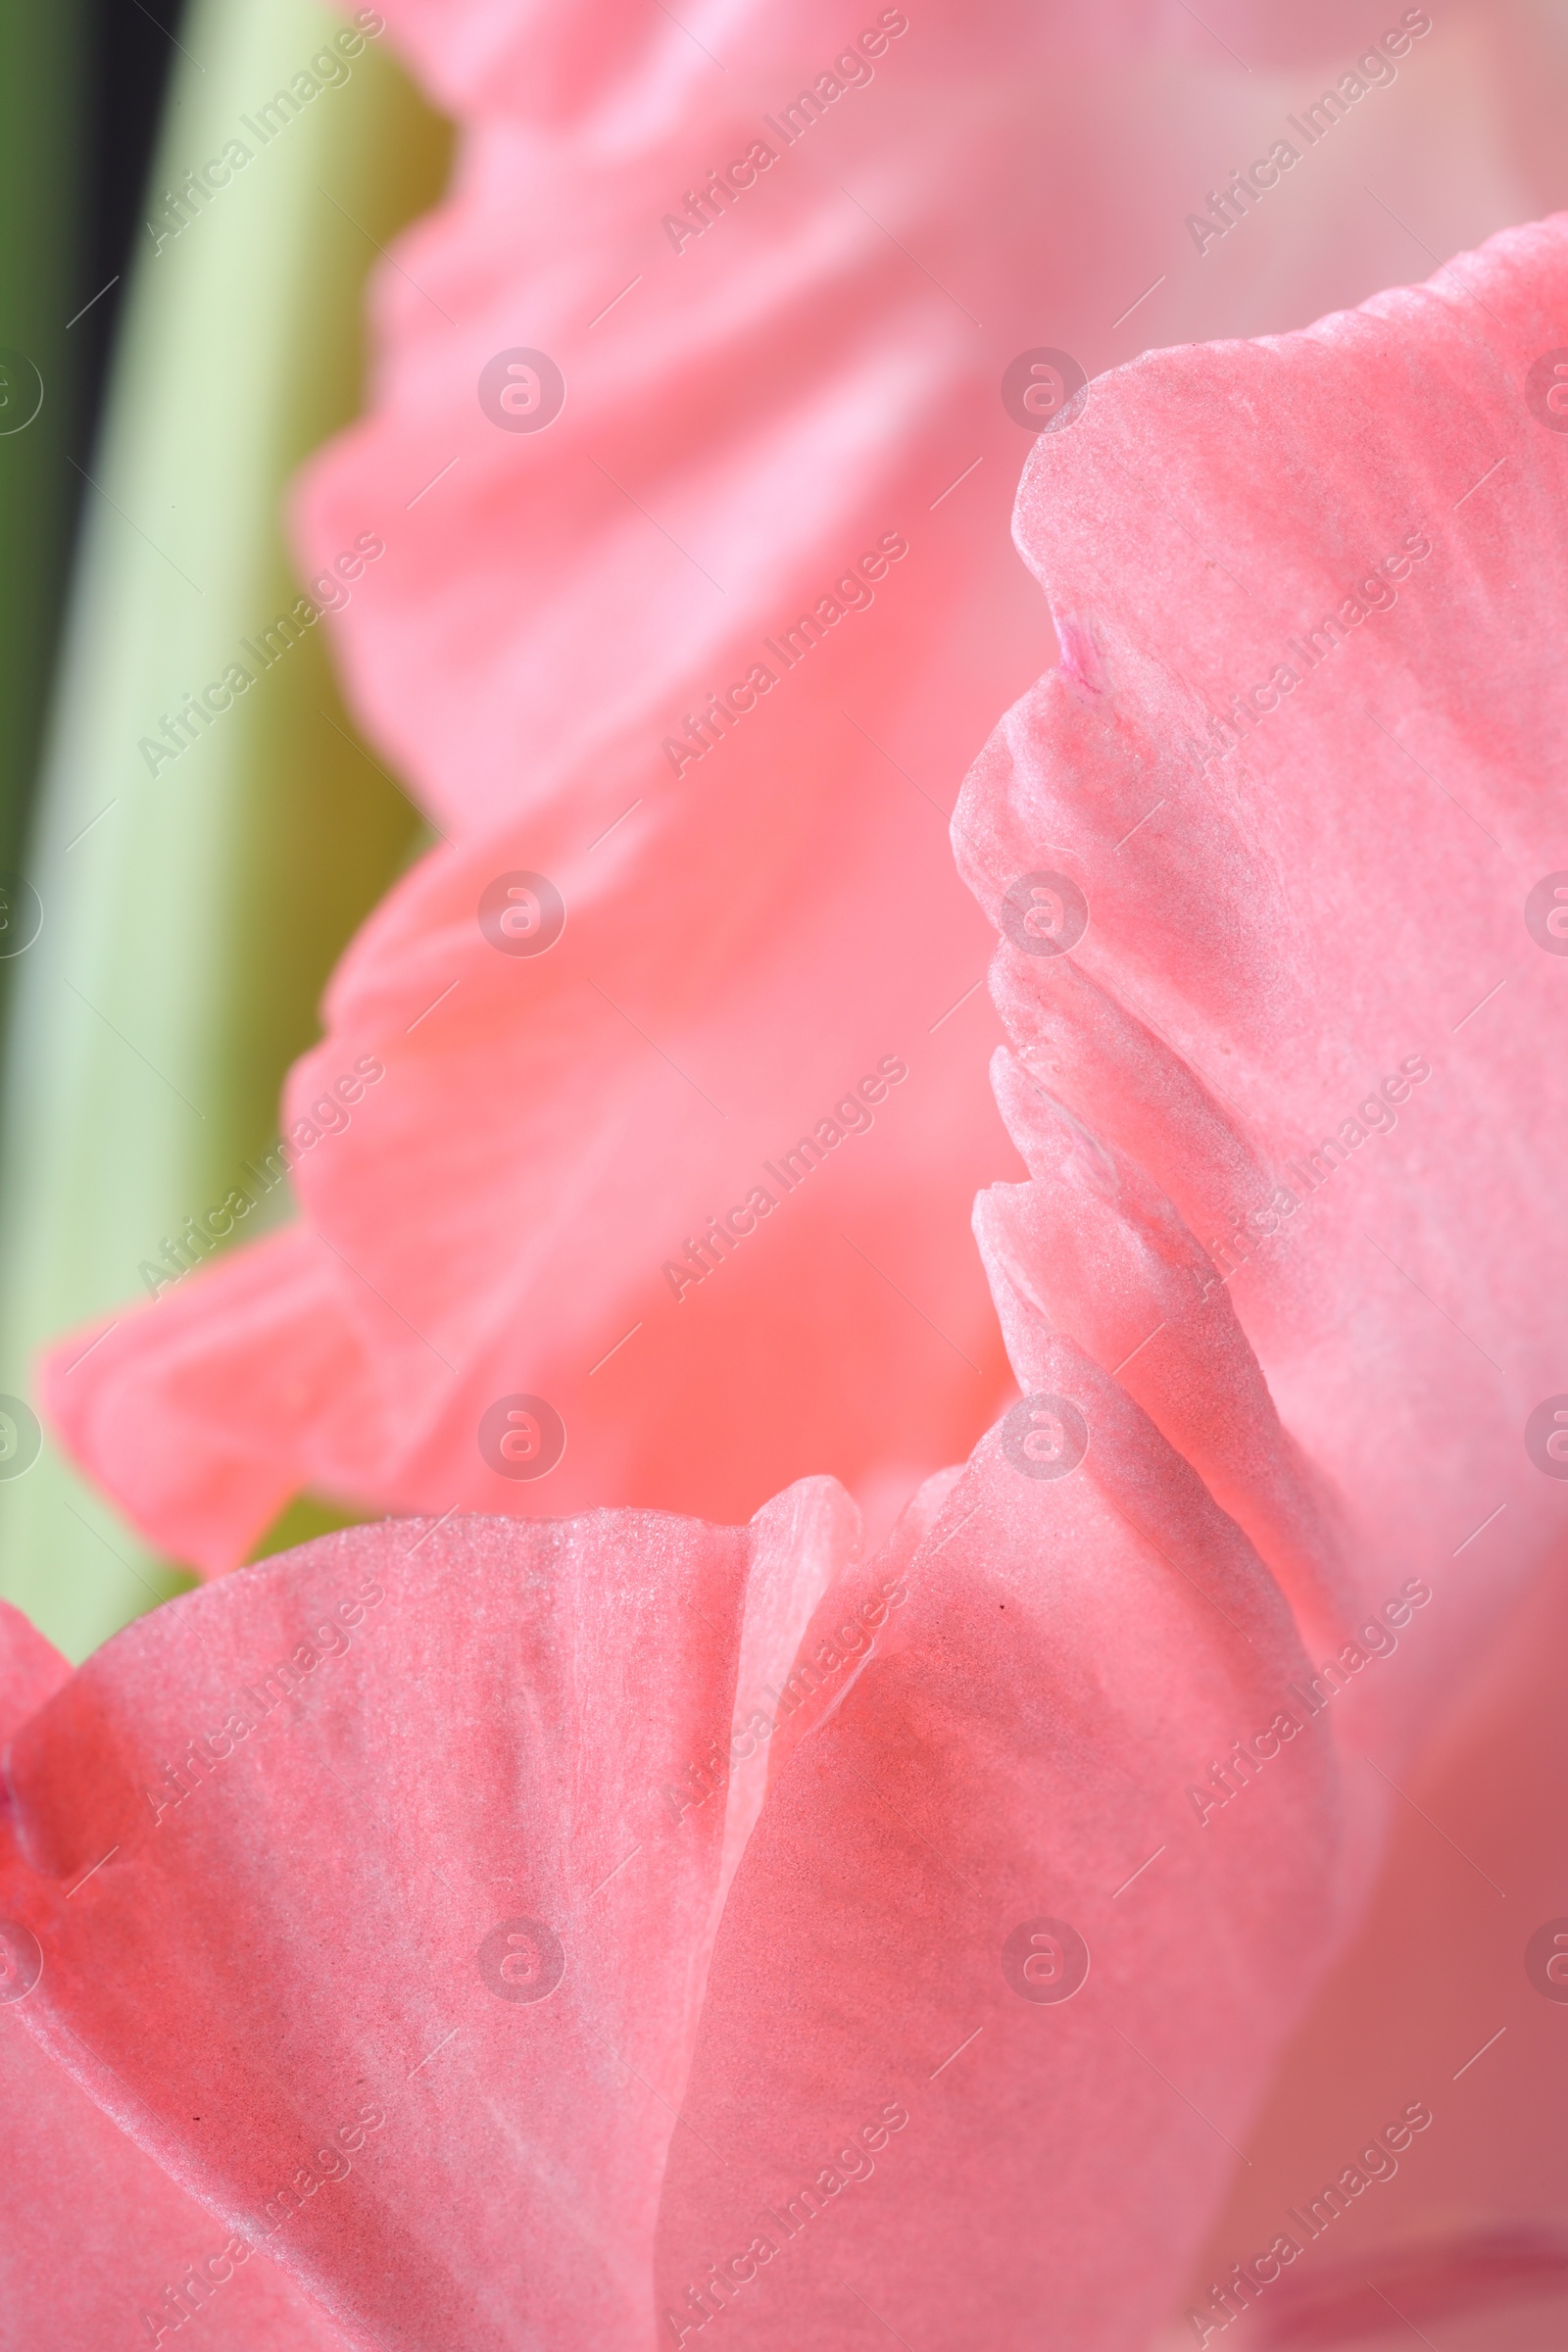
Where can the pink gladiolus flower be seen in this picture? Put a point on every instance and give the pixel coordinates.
(415, 1902)
(680, 1923)
(606, 1928)
(706, 652)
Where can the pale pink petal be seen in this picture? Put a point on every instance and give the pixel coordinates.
(404, 1986)
(744, 418)
(1097, 1253)
(1058, 1660)
(97, 2246)
(278, 1307)
(1443, 1997)
(1318, 931)
(1291, 1136)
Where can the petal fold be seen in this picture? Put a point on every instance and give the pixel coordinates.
(987, 1984)
(376, 1889)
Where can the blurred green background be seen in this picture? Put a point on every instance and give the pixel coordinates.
(189, 920)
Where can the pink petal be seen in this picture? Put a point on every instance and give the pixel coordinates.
(1089, 1248)
(1061, 1656)
(94, 2235)
(1440, 1998)
(300, 1972)
(31, 1670)
(744, 418)
(1359, 1359)
(277, 1305)
(1265, 963)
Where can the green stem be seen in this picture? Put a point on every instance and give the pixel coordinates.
(187, 934)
